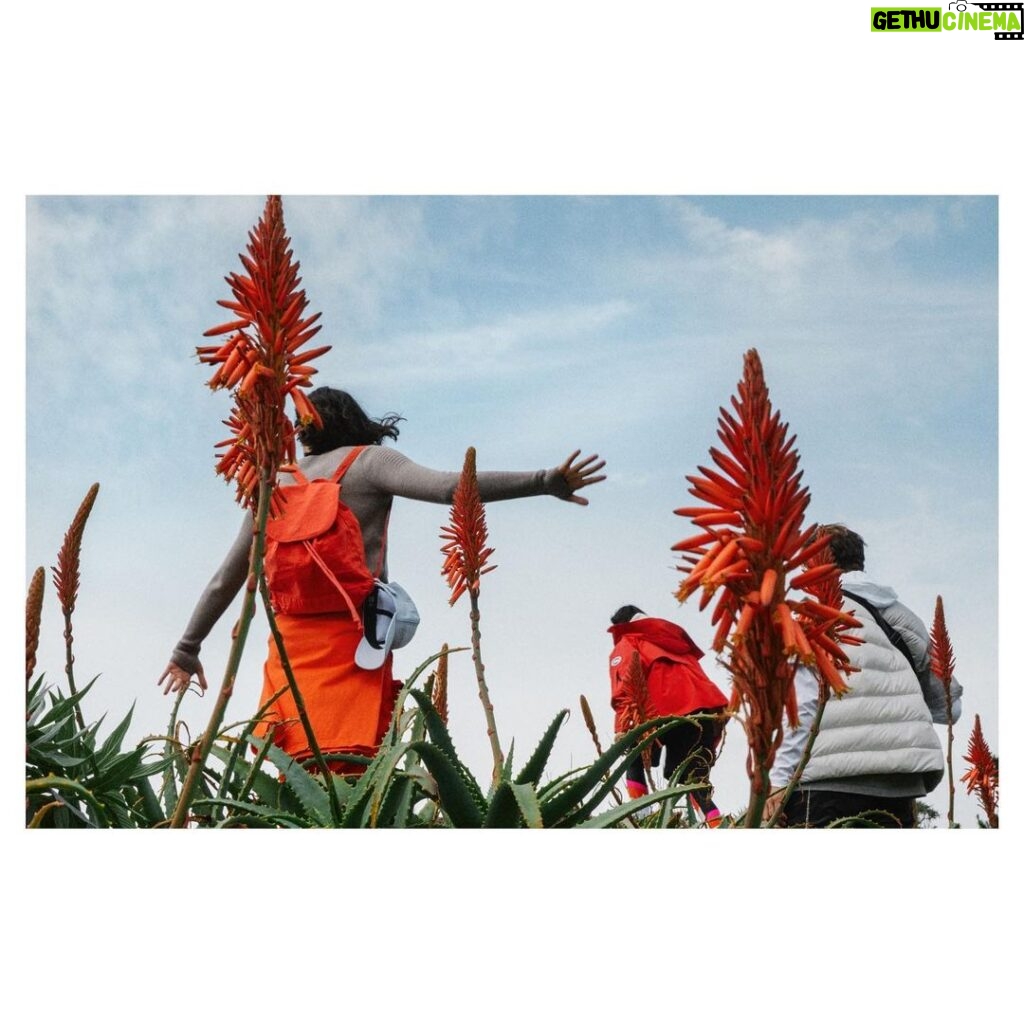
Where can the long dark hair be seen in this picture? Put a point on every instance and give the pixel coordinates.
(344, 423)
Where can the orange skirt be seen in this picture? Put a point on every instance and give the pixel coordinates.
(349, 708)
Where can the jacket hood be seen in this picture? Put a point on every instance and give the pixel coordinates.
(667, 635)
(857, 583)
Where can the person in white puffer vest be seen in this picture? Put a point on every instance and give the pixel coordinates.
(877, 750)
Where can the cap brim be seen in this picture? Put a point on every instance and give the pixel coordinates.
(370, 657)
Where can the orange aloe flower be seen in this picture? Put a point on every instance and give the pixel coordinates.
(983, 776)
(262, 360)
(753, 551)
(466, 535)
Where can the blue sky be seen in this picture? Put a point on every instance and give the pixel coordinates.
(527, 327)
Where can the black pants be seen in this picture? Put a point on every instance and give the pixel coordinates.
(819, 808)
(695, 740)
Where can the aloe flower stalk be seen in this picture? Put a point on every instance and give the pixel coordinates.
(754, 552)
(66, 580)
(983, 776)
(942, 665)
(466, 556)
(828, 593)
(263, 363)
(588, 719)
(33, 616)
(439, 689)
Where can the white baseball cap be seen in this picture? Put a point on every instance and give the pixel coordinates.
(390, 619)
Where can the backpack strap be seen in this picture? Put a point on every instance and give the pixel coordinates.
(891, 634)
(346, 462)
(334, 579)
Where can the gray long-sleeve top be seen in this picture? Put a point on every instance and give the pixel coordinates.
(376, 477)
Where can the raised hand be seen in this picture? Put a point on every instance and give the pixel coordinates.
(580, 473)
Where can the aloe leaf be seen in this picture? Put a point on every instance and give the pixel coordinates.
(441, 739)
(457, 800)
(396, 810)
(113, 742)
(119, 771)
(576, 800)
(534, 768)
(308, 791)
(62, 705)
(62, 760)
(252, 813)
(617, 814)
(384, 777)
(529, 805)
(502, 810)
(151, 809)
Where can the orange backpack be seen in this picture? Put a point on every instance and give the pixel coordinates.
(314, 557)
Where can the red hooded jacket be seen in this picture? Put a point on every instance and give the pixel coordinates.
(671, 661)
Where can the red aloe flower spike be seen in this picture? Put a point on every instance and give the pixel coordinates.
(260, 361)
(752, 535)
(33, 615)
(466, 535)
(943, 662)
(983, 776)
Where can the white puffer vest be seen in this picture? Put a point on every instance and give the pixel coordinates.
(882, 726)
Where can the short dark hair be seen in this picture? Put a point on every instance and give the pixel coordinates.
(847, 547)
(625, 613)
(343, 423)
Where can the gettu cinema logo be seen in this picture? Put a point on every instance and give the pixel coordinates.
(1003, 20)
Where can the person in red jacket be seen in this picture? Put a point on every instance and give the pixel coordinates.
(676, 685)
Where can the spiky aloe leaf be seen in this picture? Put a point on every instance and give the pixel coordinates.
(62, 706)
(442, 740)
(397, 809)
(310, 793)
(529, 805)
(574, 801)
(502, 809)
(463, 807)
(385, 773)
(534, 768)
(151, 809)
(611, 818)
(263, 787)
(112, 746)
(270, 817)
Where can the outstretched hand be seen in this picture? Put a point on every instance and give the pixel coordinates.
(579, 473)
(177, 679)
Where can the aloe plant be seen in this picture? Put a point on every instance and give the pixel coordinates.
(72, 779)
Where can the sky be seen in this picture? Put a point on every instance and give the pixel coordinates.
(614, 325)
(527, 327)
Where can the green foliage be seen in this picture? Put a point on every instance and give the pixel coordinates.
(74, 781)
